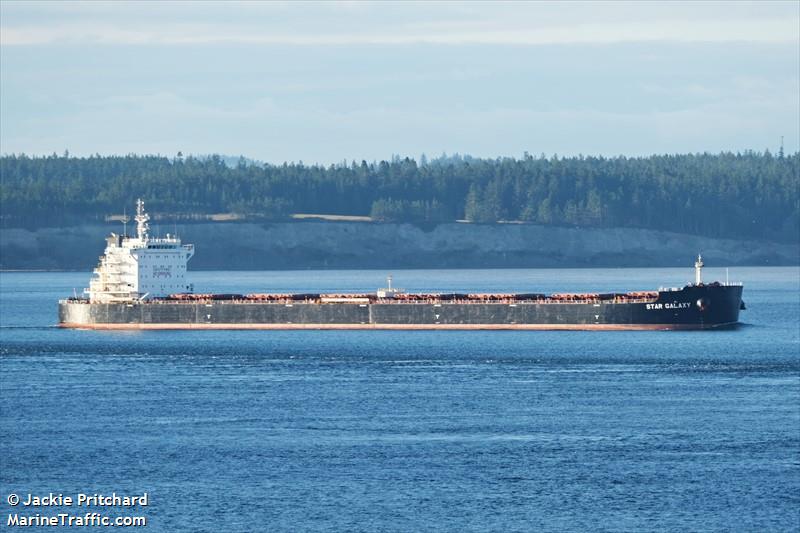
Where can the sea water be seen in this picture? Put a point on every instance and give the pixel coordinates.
(409, 430)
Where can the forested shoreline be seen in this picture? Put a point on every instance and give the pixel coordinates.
(733, 195)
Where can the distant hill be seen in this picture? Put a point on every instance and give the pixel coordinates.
(750, 195)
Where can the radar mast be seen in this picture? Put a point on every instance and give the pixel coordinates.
(141, 221)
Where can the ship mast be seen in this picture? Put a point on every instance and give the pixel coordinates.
(125, 221)
(141, 221)
(698, 267)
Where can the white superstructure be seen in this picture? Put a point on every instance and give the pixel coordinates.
(698, 270)
(389, 291)
(140, 267)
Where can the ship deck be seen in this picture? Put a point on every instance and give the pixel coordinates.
(401, 299)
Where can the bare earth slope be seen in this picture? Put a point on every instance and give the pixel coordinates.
(290, 245)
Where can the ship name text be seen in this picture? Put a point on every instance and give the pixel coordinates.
(668, 305)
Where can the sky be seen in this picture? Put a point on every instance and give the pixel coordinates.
(334, 81)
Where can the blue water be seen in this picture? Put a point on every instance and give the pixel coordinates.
(411, 431)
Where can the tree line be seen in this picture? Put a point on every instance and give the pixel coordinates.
(750, 194)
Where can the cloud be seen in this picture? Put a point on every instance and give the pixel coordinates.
(395, 24)
(770, 31)
(165, 123)
(323, 92)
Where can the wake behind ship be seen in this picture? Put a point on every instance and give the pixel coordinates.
(141, 283)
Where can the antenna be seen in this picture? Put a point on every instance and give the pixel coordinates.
(727, 278)
(125, 220)
(780, 153)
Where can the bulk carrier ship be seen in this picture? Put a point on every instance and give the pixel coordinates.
(141, 283)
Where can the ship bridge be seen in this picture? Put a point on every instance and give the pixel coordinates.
(140, 267)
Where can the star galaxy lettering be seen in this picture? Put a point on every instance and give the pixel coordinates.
(669, 305)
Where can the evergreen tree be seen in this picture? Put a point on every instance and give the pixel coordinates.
(749, 194)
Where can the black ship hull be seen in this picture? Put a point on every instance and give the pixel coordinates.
(693, 307)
